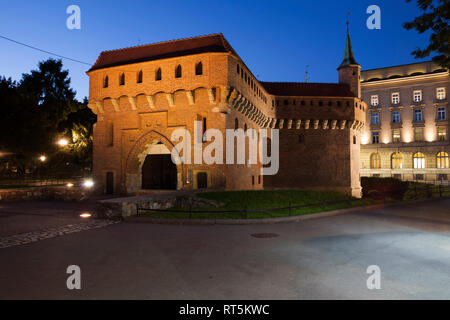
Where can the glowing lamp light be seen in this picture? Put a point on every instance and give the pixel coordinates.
(69, 185)
(42, 158)
(88, 183)
(365, 139)
(63, 142)
(85, 215)
(407, 138)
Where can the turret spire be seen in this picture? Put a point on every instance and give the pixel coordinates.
(349, 59)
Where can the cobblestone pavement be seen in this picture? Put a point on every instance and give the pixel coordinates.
(48, 233)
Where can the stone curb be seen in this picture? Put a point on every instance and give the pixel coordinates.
(298, 218)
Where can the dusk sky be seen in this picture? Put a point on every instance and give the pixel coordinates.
(276, 39)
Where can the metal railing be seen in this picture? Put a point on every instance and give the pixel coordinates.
(245, 212)
(430, 190)
(23, 183)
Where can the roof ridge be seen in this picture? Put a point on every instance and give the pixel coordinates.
(167, 41)
(401, 65)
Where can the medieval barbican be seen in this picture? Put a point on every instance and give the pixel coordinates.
(142, 94)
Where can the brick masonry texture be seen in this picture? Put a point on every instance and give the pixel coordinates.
(319, 135)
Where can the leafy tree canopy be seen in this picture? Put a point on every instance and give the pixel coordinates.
(36, 111)
(435, 17)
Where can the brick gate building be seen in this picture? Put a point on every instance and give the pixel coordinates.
(142, 94)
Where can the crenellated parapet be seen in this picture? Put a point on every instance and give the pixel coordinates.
(313, 124)
(241, 104)
(98, 105)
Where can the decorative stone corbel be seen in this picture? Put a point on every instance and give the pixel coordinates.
(333, 124)
(351, 124)
(240, 104)
(224, 93)
(289, 124)
(170, 99)
(237, 100)
(115, 104)
(247, 108)
(190, 97)
(151, 101)
(298, 124)
(99, 105)
(132, 101)
(93, 107)
(316, 124)
(250, 110)
(307, 122)
(273, 123)
(233, 95)
(281, 124)
(212, 95)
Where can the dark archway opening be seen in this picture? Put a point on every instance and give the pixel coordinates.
(109, 183)
(159, 172)
(202, 180)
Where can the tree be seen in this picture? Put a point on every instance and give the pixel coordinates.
(436, 17)
(49, 88)
(35, 112)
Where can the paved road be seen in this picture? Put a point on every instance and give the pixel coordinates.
(21, 217)
(322, 258)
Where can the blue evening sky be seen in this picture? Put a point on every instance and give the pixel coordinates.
(276, 39)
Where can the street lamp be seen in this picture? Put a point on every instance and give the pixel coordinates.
(63, 142)
(88, 183)
(42, 159)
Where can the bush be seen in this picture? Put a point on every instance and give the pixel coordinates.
(382, 188)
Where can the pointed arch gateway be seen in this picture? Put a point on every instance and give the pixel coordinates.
(149, 165)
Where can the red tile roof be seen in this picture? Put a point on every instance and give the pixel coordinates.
(163, 50)
(308, 89)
